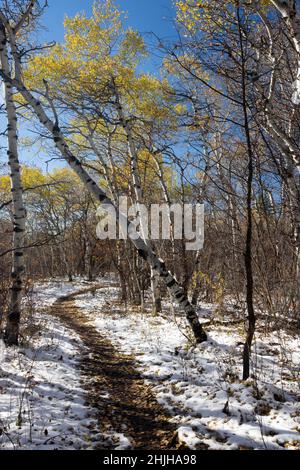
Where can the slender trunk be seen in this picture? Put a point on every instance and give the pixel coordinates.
(248, 244)
(11, 335)
(168, 202)
(88, 254)
(156, 295)
(197, 287)
(290, 14)
(120, 268)
(293, 191)
(249, 277)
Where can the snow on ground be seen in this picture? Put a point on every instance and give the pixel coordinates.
(42, 402)
(41, 399)
(201, 386)
(46, 293)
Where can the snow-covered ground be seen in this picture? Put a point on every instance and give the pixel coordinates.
(42, 402)
(41, 399)
(201, 386)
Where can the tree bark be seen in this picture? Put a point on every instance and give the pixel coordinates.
(11, 335)
(249, 235)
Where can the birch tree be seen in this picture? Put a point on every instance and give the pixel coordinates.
(11, 336)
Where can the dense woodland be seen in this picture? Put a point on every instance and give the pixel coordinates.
(217, 123)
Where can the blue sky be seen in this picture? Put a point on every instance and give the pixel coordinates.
(143, 15)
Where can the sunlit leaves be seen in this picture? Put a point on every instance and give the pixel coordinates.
(201, 14)
(132, 47)
(96, 49)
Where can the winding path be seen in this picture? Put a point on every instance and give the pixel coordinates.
(125, 404)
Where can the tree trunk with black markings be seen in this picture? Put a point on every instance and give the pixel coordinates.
(11, 335)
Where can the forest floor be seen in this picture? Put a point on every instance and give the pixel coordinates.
(94, 373)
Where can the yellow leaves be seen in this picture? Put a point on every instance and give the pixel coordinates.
(51, 66)
(216, 285)
(106, 13)
(201, 14)
(180, 109)
(64, 176)
(5, 184)
(147, 170)
(190, 12)
(148, 98)
(54, 186)
(96, 34)
(79, 71)
(104, 26)
(94, 49)
(53, 191)
(32, 177)
(33, 182)
(132, 48)
(184, 65)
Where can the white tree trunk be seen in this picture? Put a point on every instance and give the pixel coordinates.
(168, 202)
(19, 213)
(288, 11)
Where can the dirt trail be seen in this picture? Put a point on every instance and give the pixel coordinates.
(130, 402)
